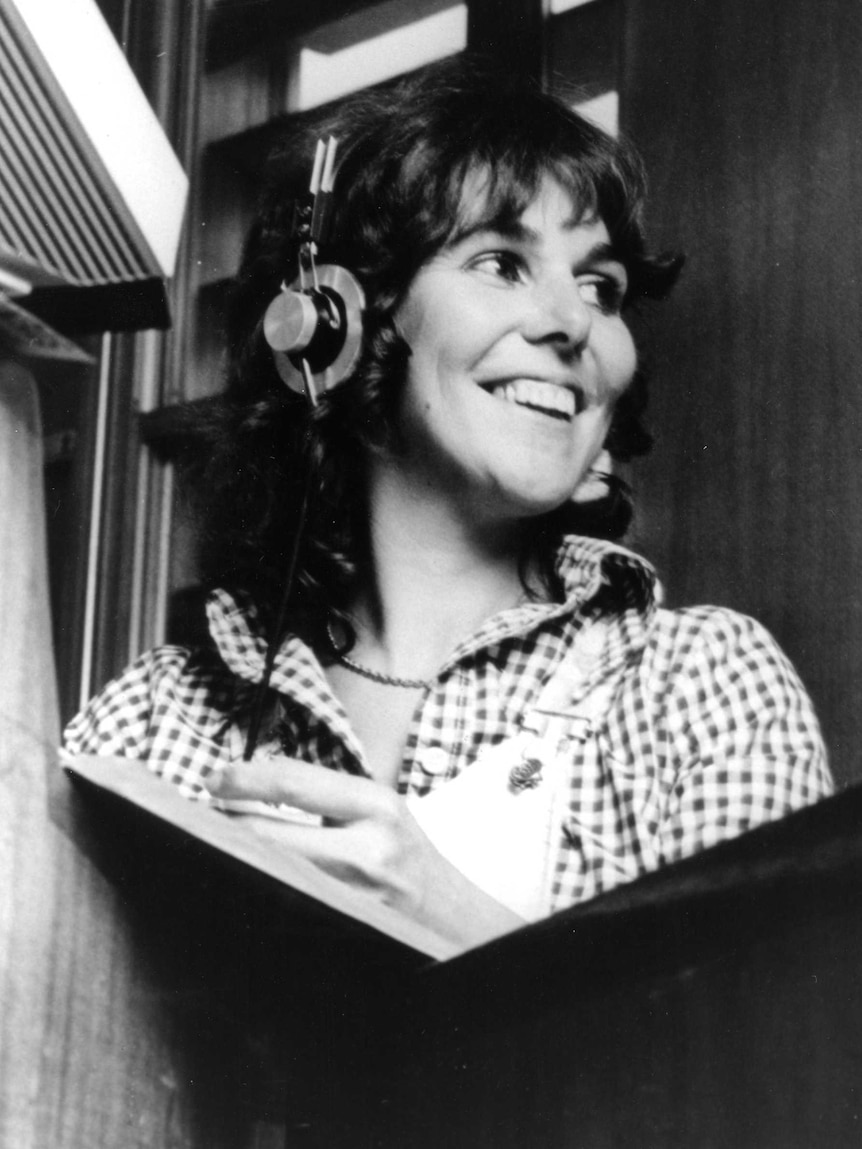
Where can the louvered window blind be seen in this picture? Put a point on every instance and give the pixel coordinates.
(90, 190)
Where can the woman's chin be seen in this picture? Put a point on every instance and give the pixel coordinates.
(528, 501)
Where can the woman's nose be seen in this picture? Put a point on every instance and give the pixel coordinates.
(558, 314)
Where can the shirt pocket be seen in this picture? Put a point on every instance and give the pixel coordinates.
(611, 828)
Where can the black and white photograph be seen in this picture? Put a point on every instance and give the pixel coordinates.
(430, 505)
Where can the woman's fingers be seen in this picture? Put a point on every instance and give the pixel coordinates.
(372, 835)
(340, 797)
(375, 844)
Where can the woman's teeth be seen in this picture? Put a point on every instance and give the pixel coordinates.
(550, 398)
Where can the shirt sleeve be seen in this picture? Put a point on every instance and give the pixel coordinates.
(119, 720)
(748, 744)
(173, 707)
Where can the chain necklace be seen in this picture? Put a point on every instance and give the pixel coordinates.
(374, 675)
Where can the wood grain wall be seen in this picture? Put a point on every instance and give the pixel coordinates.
(112, 1031)
(749, 115)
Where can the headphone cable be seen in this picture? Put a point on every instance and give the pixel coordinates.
(276, 637)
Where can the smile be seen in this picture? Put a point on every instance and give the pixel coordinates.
(560, 402)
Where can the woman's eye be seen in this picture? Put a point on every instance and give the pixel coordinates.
(603, 292)
(505, 265)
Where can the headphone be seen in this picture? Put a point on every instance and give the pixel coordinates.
(314, 326)
(314, 329)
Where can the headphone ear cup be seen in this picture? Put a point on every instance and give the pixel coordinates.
(322, 325)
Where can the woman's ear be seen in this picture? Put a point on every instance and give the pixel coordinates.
(594, 485)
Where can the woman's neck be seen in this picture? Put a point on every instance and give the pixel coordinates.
(434, 578)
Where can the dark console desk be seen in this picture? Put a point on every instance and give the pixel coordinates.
(715, 1004)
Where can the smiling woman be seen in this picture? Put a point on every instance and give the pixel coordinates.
(467, 687)
(519, 353)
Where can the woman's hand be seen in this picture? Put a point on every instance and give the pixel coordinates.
(370, 840)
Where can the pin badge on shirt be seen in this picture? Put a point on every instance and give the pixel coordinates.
(527, 775)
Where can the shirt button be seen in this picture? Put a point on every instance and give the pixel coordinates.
(434, 760)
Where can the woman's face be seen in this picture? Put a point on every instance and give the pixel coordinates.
(519, 353)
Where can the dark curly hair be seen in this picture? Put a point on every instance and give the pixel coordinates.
(405, 154)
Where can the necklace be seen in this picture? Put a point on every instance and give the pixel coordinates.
(374, 675)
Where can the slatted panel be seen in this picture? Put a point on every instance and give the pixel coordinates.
(47, 188)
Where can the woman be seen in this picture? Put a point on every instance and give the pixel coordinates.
(511, 722)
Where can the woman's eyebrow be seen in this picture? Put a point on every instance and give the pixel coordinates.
(514, 230)
(603, 252)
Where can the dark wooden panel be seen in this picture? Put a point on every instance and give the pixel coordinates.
(238, 27)
(749, 118)
(753, 1050)
(511, 34)
(583, 50)
(713, 1003)
(134, 306)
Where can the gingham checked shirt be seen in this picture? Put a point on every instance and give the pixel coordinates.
(702, 729)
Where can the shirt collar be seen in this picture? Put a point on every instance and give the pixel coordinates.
(585, 566)
(237, 633)
(235, 628)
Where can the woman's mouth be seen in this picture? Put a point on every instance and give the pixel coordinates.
(553, 399)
